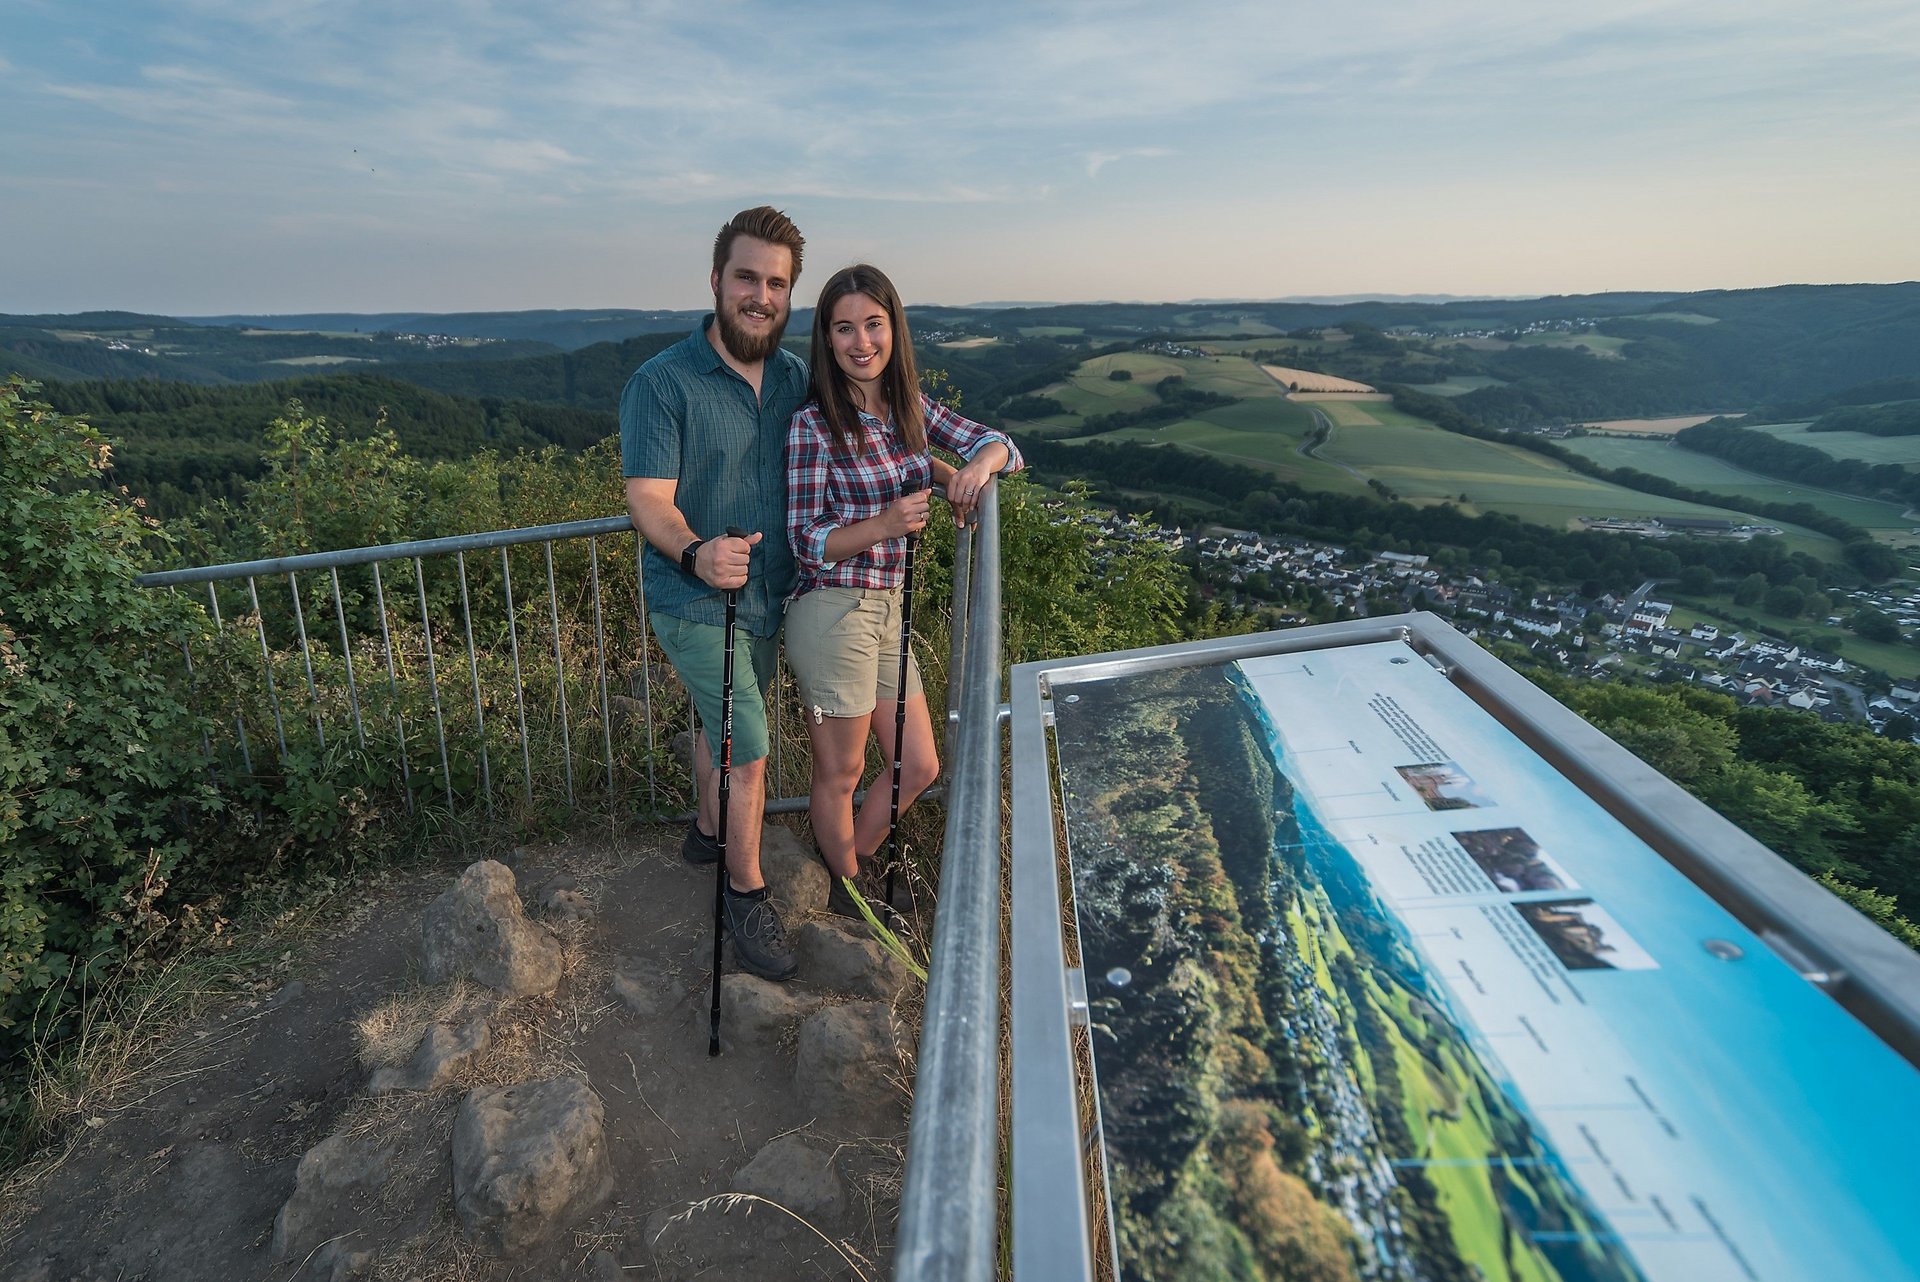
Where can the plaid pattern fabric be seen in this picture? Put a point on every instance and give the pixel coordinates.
(686, 415)
(828, 487)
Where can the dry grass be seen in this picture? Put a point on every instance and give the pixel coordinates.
(725, 1203)
(126, 1052)
(386, 1035)
(1653, 426)
(1306, 380)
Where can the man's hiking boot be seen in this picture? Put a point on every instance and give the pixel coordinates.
(759, 940)
(698, 848)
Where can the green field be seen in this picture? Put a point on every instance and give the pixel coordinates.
(1459, 385)
(1263, 429)
(1422, 463)
(1704, 471)
(1598, 344)
(1904, 450)
(1418, 461)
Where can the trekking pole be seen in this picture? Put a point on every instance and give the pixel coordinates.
(732, 598)
(900, 715)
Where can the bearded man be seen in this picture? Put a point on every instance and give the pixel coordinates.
(703, 427)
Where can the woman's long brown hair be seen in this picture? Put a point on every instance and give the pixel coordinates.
(900, 380)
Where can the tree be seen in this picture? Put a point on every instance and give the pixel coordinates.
(1875, 561)
(1120, 376)
(1696, 580)
(1786, 601)
(1750, 589)
(1874, 626)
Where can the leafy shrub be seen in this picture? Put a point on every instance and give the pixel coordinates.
(99, 750)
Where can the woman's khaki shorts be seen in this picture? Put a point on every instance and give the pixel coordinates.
(843, 645)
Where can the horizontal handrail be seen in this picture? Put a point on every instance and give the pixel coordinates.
(387, 552)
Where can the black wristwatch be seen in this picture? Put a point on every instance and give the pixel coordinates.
(687, 555)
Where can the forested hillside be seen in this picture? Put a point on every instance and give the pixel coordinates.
(180, 445)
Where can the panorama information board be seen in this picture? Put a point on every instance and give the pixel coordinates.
(1376, 993)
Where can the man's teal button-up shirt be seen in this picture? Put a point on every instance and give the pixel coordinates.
(687, 416)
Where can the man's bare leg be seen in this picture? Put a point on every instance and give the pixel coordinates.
(706, 785)
(746, 813)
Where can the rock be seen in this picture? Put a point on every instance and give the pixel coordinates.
(796, 1174)
(291, 992)
(478, 929)
(527, 1161)
(566, 905)
(848, 1058)
(682, 747)
(339, 1262)
(604, 1266)
(848, 959)
(443, 1052)
(758, 1012)
(330, 1175)
(643, 994)
(628, 712)
(799, 880)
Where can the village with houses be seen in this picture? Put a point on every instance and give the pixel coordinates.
(1609, 636)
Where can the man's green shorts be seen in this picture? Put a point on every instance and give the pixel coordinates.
(697, 652)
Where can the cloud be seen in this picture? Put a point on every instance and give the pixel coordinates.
(1098, 160)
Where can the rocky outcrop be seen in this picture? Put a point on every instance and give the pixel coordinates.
(444, 1051)
(848, 959)
(849, 1056)
(333, 1175)
(528, 1160)
(799, 880)
(797, 1174)
(478, 929)
(757, 1013)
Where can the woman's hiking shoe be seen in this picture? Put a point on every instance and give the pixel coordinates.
(698, 848)
(841, 903)
(759, 940)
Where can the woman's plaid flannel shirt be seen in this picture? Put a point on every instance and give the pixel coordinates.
(828, 486)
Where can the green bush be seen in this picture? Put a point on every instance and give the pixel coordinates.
(99, 749)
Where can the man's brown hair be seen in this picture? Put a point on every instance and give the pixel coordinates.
(763, 222)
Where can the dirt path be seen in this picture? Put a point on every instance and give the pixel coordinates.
(180, 1180)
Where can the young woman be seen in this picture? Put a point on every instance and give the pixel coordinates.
(859, 477)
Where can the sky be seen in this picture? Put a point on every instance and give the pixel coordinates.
(197, 157)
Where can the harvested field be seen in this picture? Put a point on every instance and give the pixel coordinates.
(1348, 397)
(1655, 426)
(1305, 380)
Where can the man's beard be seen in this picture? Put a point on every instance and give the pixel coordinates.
(748, 349)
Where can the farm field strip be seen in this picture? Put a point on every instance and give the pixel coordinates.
(1651, 426)
(1707, 472)
(1904, 450)
(1306, 380)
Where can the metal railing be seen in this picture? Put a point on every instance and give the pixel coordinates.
(395, 633)
(949, 1204)
(949, 1200)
